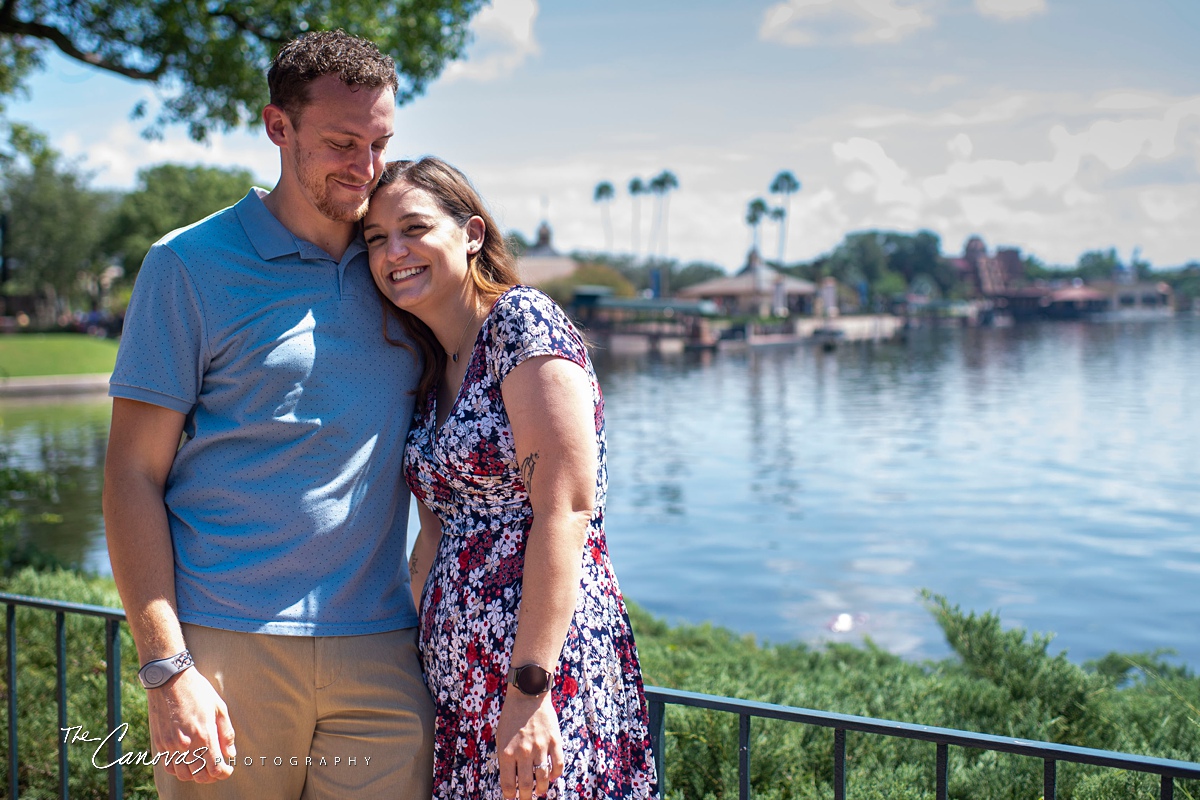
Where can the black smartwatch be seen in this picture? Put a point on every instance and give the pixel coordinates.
(532, 679)
(155, 673)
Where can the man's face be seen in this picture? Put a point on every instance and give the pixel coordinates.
(339, 143)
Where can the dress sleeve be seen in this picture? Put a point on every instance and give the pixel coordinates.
(526, 323)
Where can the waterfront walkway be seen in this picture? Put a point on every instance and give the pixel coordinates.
(44, 385)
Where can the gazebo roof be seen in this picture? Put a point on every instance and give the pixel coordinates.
(745, 284)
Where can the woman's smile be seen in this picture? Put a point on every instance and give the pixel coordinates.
(398, 275)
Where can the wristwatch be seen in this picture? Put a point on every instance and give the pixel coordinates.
(532, 679)
(154, 674)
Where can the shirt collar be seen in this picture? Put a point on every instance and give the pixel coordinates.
(272, 240)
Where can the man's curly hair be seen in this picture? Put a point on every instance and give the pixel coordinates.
(356, 62)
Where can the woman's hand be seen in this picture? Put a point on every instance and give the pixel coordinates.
(528, 745)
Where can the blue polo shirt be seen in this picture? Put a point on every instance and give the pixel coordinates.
(286, 505)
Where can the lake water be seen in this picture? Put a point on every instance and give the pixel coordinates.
(1050, 473)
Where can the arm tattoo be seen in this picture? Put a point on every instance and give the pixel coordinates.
(527, 470)
(413, 564)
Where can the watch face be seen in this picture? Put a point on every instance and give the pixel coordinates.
(154, 675)
(532, 679)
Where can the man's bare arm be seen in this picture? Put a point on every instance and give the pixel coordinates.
(185, 713)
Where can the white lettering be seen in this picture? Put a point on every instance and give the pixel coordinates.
(323, 762)
(308, 761)
(278, 761)
(367, 759)
(337, 760)
(350, 761)
(248, 761)
(294, 761)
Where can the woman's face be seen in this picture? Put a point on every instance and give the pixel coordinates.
(418, 253)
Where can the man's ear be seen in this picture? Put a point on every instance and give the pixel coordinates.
(278, 124)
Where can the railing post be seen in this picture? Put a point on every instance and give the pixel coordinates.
(112, 657)
(743, 757)
(60, 648)
(943, 771)
(657, 741)
(11, 637)
(1049, 779)
(1166, 789)
(839, 764)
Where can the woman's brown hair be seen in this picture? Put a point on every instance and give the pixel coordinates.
(493, 269)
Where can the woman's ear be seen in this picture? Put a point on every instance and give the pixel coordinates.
(475, 229)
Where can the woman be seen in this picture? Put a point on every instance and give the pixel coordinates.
(525, 640)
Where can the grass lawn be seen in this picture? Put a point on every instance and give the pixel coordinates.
(26, 355)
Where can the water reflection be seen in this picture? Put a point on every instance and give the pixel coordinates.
(1045, 472)
(65, 437)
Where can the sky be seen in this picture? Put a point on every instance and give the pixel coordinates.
(1053, 126)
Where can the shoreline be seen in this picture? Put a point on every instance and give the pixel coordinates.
(47, 385)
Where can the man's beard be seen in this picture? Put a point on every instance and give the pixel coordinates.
(317, 186)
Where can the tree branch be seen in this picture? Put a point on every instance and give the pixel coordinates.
(64, 43)
(243, 24)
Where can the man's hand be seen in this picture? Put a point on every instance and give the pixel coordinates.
(189, 721)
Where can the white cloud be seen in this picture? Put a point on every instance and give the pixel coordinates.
(120, 151)
(805, 22)
(504, 39)
(1010, 9)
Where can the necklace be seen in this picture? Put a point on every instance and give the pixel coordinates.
(457, 347)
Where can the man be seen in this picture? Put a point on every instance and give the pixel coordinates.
(269, 547)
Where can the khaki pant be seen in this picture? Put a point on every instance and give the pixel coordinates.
(316, 717)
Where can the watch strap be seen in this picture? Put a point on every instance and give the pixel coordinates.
(157, 672)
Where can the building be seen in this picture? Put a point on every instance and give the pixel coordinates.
(756, 290)
(541, 263)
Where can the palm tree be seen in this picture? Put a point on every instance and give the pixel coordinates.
(754, 216)
(604, 195)
(636, 189)
(785, 183)
(778, 215)
(661, 185)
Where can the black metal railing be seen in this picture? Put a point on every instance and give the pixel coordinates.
(112, 670)
(943, 738)
(1049, 753)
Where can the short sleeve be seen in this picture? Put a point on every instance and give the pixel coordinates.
(526, 323)
(163, 352)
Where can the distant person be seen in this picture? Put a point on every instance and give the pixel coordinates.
(269, 547)
(525, 639)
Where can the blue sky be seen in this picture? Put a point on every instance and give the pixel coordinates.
(1056, 126)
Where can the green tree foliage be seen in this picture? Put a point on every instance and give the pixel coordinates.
(756, 210)
(693, 273)
(209, 58)
(169, 196)
(55, 225)
(1003, 682)
(1098, 265)
(588, 274)
(604, 195)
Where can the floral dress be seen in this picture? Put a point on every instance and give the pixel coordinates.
(466, 472)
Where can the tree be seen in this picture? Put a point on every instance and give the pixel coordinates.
(695, 272)
(755, 211)
(636, 189)
(778, 215)
(55, 226)
(169, 196)
(661, 185)
(1099, 265)
(209, 58)
(604, 195)
(785, 183)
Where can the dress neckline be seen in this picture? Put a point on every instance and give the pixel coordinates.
(433, 409)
